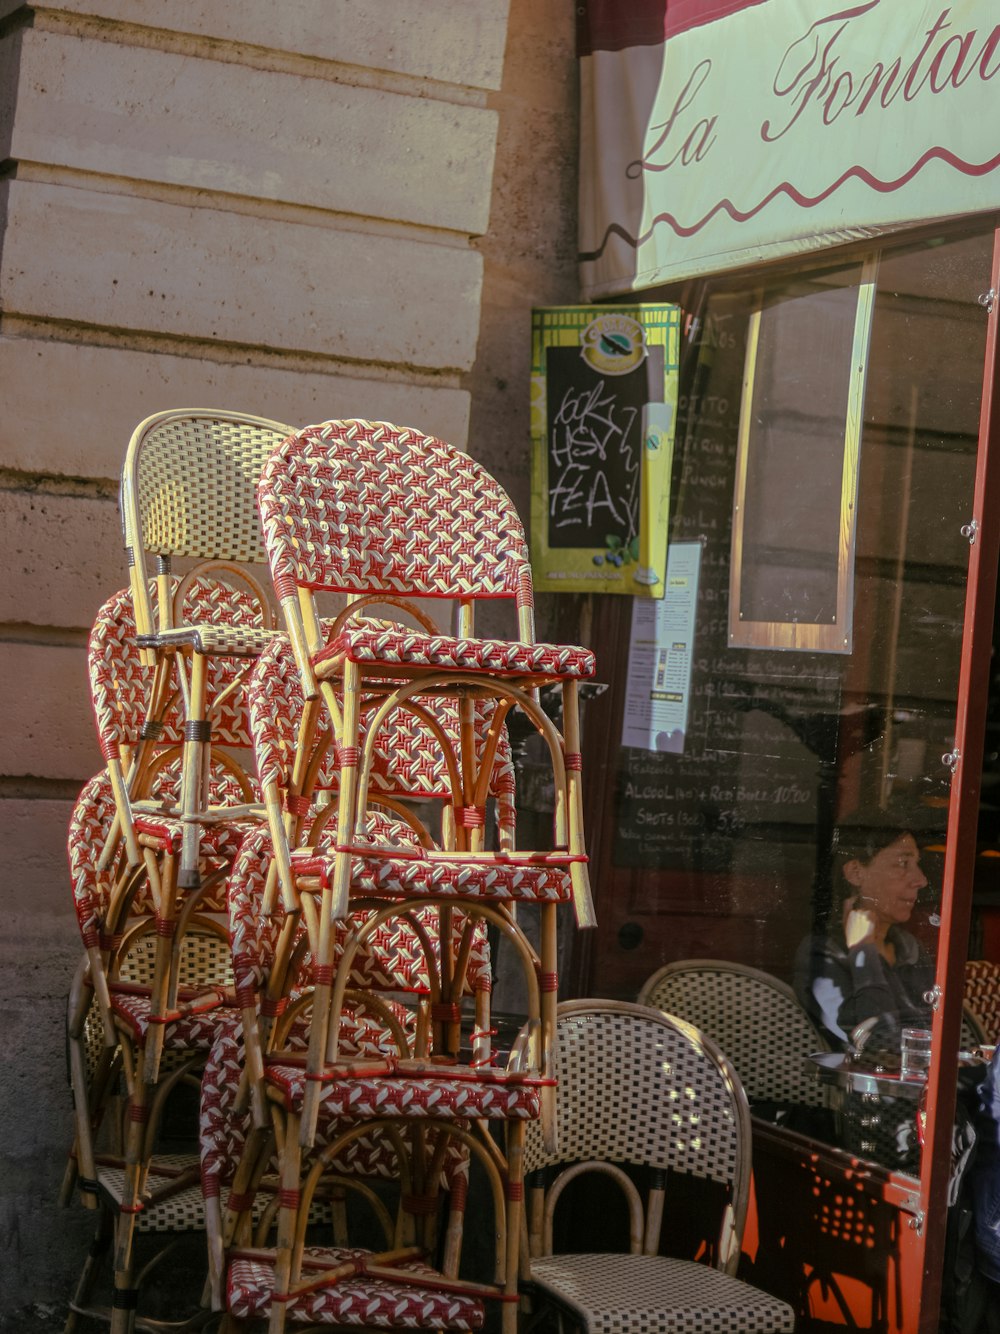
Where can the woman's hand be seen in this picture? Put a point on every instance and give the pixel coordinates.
(859, 922)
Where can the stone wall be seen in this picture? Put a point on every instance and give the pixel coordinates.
(316, 209)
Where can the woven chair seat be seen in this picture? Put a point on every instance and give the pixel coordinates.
(171, 1185)
(360, 1301)
(453, 1093)
(194, 1031)
(648, 1293)
(438, 875)
(397, 646)
(217, 641)
(217, 840)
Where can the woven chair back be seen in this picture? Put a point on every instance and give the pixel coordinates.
(755, 1018)
(641, 1087)
(90, 823)
(188, 484)
(392, 959)
(359, 507)
(120, 681)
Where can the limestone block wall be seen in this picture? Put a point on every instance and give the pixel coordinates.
(315, 209)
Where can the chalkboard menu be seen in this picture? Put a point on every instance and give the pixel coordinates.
(763, 726)
(594, 442)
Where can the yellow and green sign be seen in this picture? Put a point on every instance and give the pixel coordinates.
(603, 403)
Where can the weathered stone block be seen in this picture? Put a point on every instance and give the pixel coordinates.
(144, 265)
(50, 732)
(70, 408)
(202, 124)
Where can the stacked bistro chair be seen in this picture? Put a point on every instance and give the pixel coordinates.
(188, 498)
(299, 789)
(649, 1104)
(124, 828)
(756, 1020)
(391, 518)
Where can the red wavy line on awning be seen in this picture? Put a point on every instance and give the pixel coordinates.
(804, 201)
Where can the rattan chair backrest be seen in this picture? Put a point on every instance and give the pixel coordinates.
(755, 1018)
(360, 507)
(409, 762)
(982, 996)
(188, 490)
(120, 681)
(637, 1086)
(90, 824)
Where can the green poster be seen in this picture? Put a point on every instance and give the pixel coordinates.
(603, 404)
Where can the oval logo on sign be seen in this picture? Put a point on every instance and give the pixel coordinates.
(613, 344)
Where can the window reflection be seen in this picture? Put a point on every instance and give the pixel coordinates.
(791, 755)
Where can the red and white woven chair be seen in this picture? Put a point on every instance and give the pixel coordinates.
(113, 1159)
(415, 794)
(388, 515)
(392, 1286)
(141, 725)
(126, 889)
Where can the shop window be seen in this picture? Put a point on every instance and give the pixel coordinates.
(794, 505)
(724, 848)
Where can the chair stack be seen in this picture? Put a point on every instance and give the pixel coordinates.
(349, 872)
(153, 839)
(393, 521)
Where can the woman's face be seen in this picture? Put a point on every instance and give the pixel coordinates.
(890, 882)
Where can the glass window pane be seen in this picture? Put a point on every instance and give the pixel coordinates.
(728, 849)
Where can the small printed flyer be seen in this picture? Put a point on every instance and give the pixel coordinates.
(658, 685)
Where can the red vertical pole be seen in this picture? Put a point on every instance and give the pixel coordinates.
(963, 816)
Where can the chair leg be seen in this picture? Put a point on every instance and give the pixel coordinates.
(515, 1209)
(98, 1252)
(166, 920)
(582, 898)
(197, 731)
(288, 1210)
(137, 1112)
(124, 1298)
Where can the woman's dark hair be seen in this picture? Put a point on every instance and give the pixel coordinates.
(861, 839)
(865, 841)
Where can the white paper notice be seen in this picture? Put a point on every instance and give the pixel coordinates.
(658, 686)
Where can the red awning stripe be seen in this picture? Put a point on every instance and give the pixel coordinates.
(610, 25)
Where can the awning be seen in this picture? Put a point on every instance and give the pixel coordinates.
(719, 133)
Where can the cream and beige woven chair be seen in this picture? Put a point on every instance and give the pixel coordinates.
(188, 499)
(646, 1101)
(755, 1019)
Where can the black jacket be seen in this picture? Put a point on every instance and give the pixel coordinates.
(840, 987)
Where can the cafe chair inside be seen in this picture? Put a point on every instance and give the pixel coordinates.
(649, 1104)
